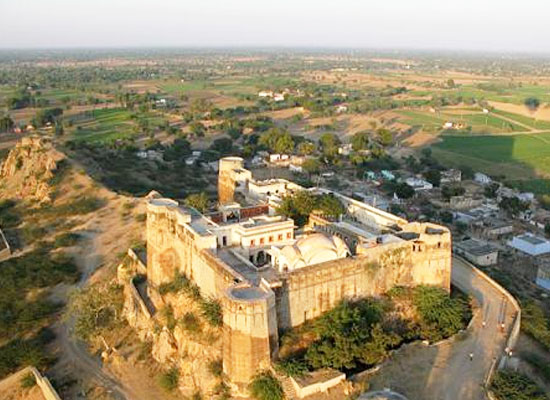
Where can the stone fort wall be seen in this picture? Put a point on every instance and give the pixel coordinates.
(311, 291)
(251, 322)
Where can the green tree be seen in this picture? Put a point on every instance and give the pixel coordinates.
(198, 201)
(330, 205)
(306, 148)
(513, 206)
(197, 128)
(433, 176)
(6, 124)
(385, 137)
(511, 385)
(360, 141)
(449, 191)
(311, 165)
(329, 143)
(284, 144)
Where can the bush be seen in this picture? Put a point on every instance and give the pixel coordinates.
(19, 353)
(96, 309)
(169, 380)
(535, 323)
(216, 368)
(66, 239)
(265, 386)
(28, 381)
(212, 312)
(80, 206)
(292, 367)
(509, 385)
(442, 316)
(350, 335)
(179, 283)
(19, 312)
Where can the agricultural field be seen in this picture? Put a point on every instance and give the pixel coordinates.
(524, 158)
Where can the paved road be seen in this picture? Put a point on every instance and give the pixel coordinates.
(458, 377)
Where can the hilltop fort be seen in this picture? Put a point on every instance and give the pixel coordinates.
(267, 275)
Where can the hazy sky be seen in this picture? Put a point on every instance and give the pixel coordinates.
(510, 25)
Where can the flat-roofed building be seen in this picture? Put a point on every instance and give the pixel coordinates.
(530, 244)
(477, 252)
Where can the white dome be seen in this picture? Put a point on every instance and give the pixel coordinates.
(312, 249)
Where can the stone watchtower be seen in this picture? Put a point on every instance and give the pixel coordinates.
(250, 333)
(227, 178)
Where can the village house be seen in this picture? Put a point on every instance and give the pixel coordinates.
(477, 252)
(419, 184)
(482, 178)
(530, 244)
(451, 176)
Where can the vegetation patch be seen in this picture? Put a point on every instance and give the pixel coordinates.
(24, 305)
(358, 334)
(509, 385)
(265, 386)
(535, 323)
(97, 309)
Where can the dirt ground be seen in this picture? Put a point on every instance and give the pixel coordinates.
(10, 389)
(543, 113)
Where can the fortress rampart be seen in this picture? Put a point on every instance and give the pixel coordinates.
(259, 301)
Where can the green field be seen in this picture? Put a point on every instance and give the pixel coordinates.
(479, 122)
(524, 120)
(104, 125)
(513, 156)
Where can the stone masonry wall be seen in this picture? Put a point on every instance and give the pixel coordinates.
(311, 291)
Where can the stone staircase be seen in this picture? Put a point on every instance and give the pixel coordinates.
(288, 387)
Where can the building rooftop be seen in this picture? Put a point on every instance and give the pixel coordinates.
(534, 240)
(476, 247)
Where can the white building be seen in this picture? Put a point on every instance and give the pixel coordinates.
(482, 178)
(418, 184)
(530, 244)
(265, 93)
(278, 97)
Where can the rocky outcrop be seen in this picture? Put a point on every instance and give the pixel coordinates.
(29, 169)
(193, 350)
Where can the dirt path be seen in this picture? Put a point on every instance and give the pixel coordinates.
(446, 372)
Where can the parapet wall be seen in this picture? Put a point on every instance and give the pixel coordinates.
(311, 291)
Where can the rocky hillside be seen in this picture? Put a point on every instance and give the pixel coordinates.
(28, 170)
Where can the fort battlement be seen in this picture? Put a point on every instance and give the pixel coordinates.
(267, 280)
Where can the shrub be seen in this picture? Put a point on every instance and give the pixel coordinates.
(179, 283)
(196, 396)
(20, 313)
(18, 353)
(441, 316)
(168, 315)
(216, 367)
(141, 217)
(169, 380)
(28, 381)
(535, 323)
(66, 239)
(212, 312)
(80, 206)
(265, 386)
(96, 308)
(509, 385)
(292, 367)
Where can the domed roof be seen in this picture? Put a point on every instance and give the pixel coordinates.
(313, 249)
